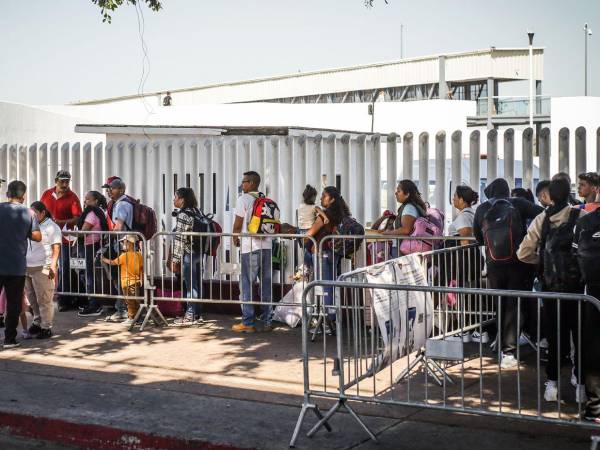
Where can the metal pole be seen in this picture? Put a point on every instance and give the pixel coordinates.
(587, 32)
(530, 34)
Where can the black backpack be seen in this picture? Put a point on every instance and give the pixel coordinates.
(560, 271)
(503, 231)
(349, 227)
(587, 249)
(204, 223)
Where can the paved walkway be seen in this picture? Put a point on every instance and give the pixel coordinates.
(97, 385)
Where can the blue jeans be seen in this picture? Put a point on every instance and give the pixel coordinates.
(192, 271)
(330, 270)
(256, 264)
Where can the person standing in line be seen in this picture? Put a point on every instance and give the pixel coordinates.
(587, 253)
(548, 244)
(185, 260)
(500, 226)
(131, 265)
(587, 187)
(335, 209)
(121, 216)
(42, 268)
(256, 258)
(65, 207)
(542, 194)
(17, 225)
(93, 218)
(463, 200)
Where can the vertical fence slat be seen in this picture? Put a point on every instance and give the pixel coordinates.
(509, 157)
(528, 158)
(563, 150)
(580, 150)
(374, 172)
(475, 160)
(492, 156)
(424, 164)
(456, 162)
(392, 154)
(407, 156)
(545, 154)
(440, 171)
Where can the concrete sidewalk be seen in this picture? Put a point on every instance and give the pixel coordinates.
(97, 385)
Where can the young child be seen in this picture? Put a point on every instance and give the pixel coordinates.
(131, 265)
(306, 212)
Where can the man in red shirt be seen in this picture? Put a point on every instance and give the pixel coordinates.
(65, 207)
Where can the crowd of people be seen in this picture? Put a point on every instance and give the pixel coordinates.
(545, 246)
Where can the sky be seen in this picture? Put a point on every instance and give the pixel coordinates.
(59, 51)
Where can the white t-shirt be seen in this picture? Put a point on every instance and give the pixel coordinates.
(306, 216)
(464, 219)
(243, 208)
(39, 254)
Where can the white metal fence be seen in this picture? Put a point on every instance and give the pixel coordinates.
(366, 167)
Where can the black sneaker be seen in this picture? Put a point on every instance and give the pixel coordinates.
(88, 312)
(46, 333)
(11, 344)
(34, 329)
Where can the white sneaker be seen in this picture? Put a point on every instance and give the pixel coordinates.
(118, 316)
(128, 322)
(26, 335)
(551, 391)
(465, 337)
(484, 337)
(580, 395)
(508, 361)
(544, 343)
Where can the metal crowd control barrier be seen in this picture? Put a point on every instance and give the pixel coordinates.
(454, 316)
(344, 255)
(210, 271)
(82, 272)
(401, 324)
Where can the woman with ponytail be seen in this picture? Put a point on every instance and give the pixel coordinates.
(331, 216)
(463, 200)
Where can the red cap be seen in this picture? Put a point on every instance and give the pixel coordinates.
(110, 180)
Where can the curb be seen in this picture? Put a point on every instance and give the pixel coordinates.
(97, 437)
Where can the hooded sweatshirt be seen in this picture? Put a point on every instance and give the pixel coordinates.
(499, 189)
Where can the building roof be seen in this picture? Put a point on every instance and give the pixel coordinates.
(504, 64)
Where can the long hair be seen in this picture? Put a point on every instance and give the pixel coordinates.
(414, 196)
(188, 196)
(100, 199)
(339, 208)
(41, 208)
(467, 194)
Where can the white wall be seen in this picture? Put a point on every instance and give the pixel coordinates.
(573, 112)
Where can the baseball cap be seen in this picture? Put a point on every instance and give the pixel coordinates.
(63, 175)
(130, 237)
(109, 180)
(117, 183)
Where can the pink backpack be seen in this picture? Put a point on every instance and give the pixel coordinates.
(429, 225)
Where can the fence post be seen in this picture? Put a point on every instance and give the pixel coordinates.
(528, 158)
(456, 161)
(33, 186)
(408, 157)
(329, 155)
(475, 160)
(492, 155)
(563, 150)
(424, 165)
(598, 150)
(509, 156)
(545, 154)
(345, 163)
(440, 171)
(374, 174)
(392, 154)
(580, 151)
